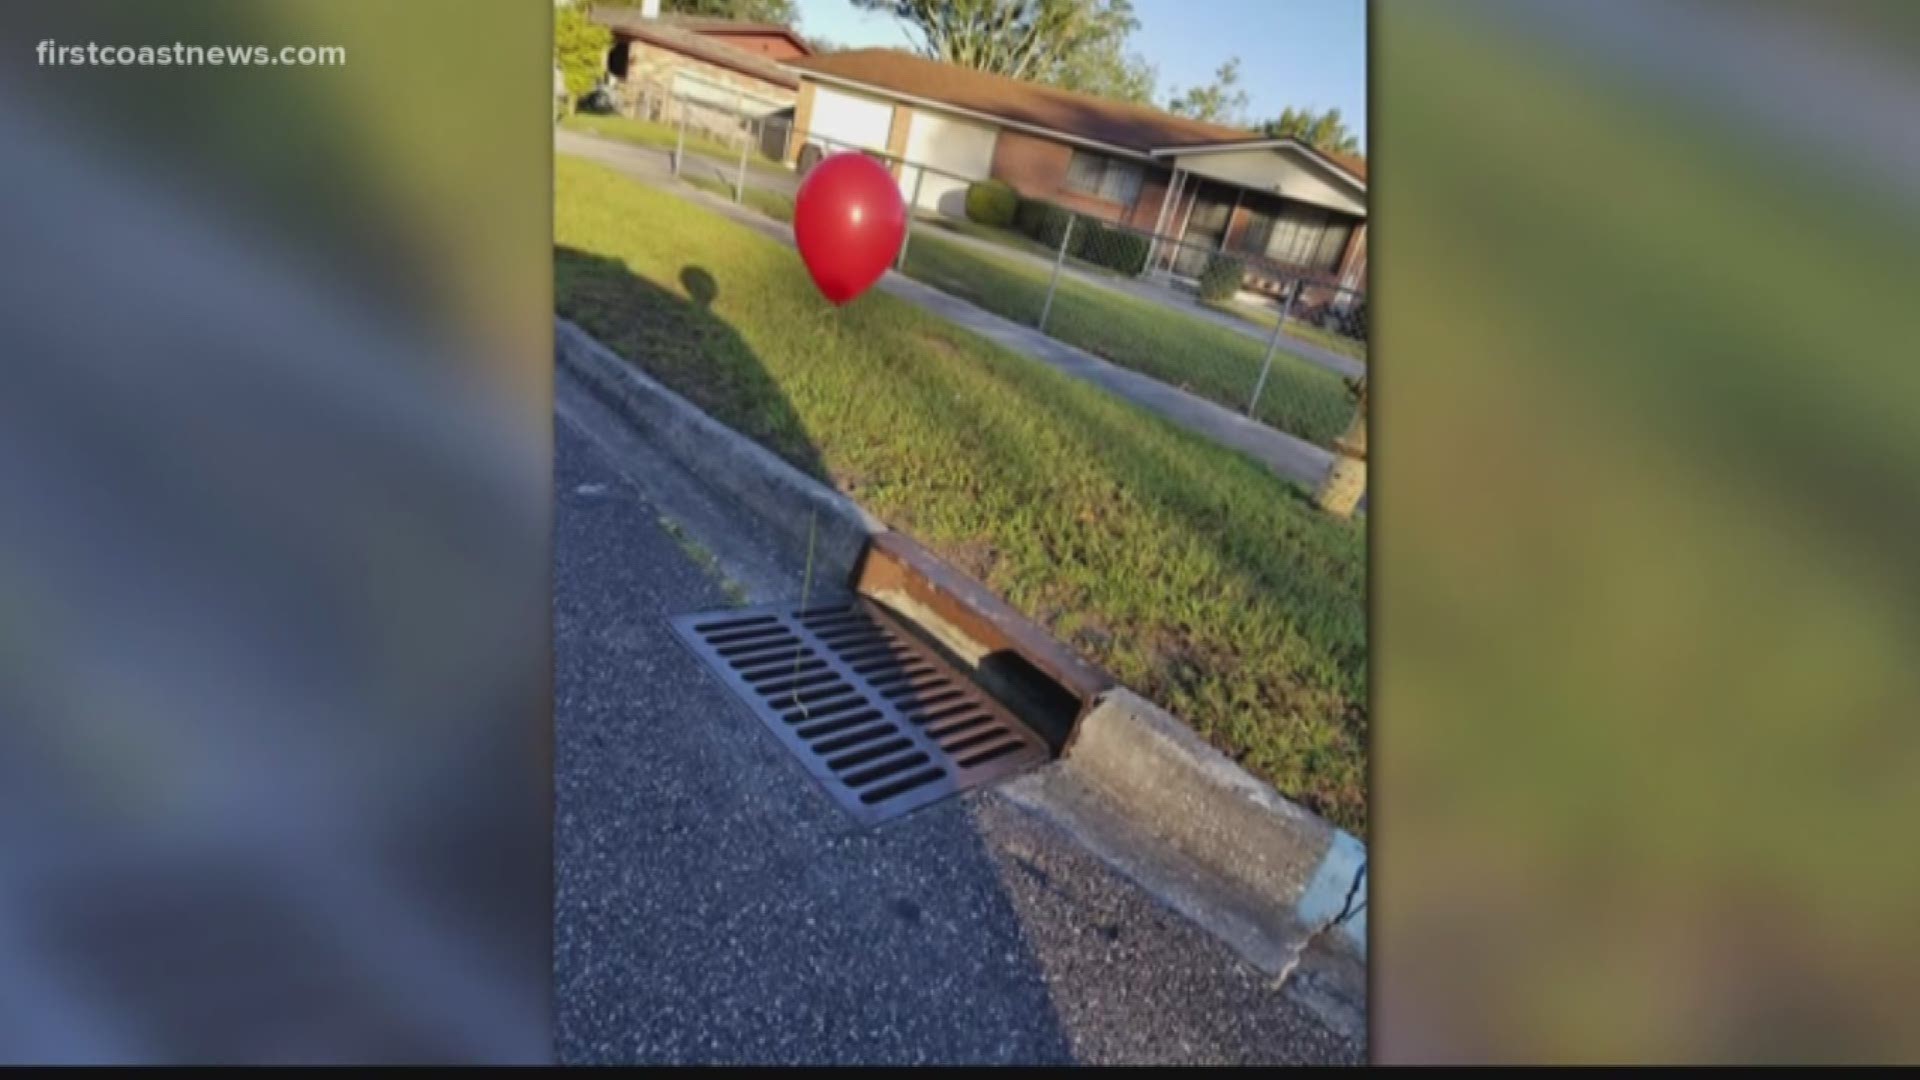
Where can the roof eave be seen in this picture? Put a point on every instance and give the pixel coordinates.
(1263, 144)
(791, 36)
(962, 110)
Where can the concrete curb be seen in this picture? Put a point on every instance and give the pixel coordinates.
(788, 500)
(1234, 826)
(1134, 784)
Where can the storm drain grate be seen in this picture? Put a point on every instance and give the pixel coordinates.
(883, 722)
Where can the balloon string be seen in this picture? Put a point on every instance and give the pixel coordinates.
(806, 598)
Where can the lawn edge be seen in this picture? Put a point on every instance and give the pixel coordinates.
(1136, 785)
(809, 514)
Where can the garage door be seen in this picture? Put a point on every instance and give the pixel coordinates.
(957, 152)
(842, 120)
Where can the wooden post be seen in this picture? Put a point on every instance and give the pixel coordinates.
(1346, 482)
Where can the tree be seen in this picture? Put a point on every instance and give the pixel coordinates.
(1220, 102)
(1106, 70)
(756, 11)
(1346, 482)
(580, 48)
(1322, 131)
(1051, 41)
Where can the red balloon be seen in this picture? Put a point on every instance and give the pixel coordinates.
(848, 219)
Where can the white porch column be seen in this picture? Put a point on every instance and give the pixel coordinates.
(1180, 230)
(1160, 219)
(1169, 207)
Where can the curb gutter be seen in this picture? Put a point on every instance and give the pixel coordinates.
(1133, 784)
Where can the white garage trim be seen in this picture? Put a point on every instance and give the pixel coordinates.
(847, 119)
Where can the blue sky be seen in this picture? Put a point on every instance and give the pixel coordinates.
(1292, 52)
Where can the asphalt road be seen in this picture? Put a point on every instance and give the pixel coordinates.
(713, 906)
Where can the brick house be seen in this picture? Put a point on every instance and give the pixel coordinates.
(733, 65)
(1214, 188)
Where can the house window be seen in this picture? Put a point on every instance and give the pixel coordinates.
(1299, 235)
(1103, 177)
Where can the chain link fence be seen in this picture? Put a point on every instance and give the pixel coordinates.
(732, 120)
(1272, 288)
(1298, 310)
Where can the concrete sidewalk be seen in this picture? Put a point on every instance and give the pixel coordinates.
(1289, 457)
(712, 905)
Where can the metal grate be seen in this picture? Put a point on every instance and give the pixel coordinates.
(879, 719)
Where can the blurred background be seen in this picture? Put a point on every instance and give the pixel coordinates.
(1646, 605)
(274, 454)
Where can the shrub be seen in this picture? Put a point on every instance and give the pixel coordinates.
(992, 202)
(1221, 279)
(1042, 220)
(810, 155)
(1351, 322)
(579, 48)
(1104, 245)
(1025, 212)
(1086, 237)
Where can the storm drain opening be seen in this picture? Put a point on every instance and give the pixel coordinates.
(883, 722)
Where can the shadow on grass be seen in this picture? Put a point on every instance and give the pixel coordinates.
(680, 341)
(938, 860)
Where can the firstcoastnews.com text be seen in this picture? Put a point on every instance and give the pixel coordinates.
(179, 54)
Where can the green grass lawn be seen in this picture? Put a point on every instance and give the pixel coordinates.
(1009, 238)
(1211, 361)
(1300, 398)
(1326, 339)
(1019, 241)
(1188, 571)
(664, 137)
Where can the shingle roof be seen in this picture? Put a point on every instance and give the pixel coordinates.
(702, 25)
(674, 35)
(1136, 127)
